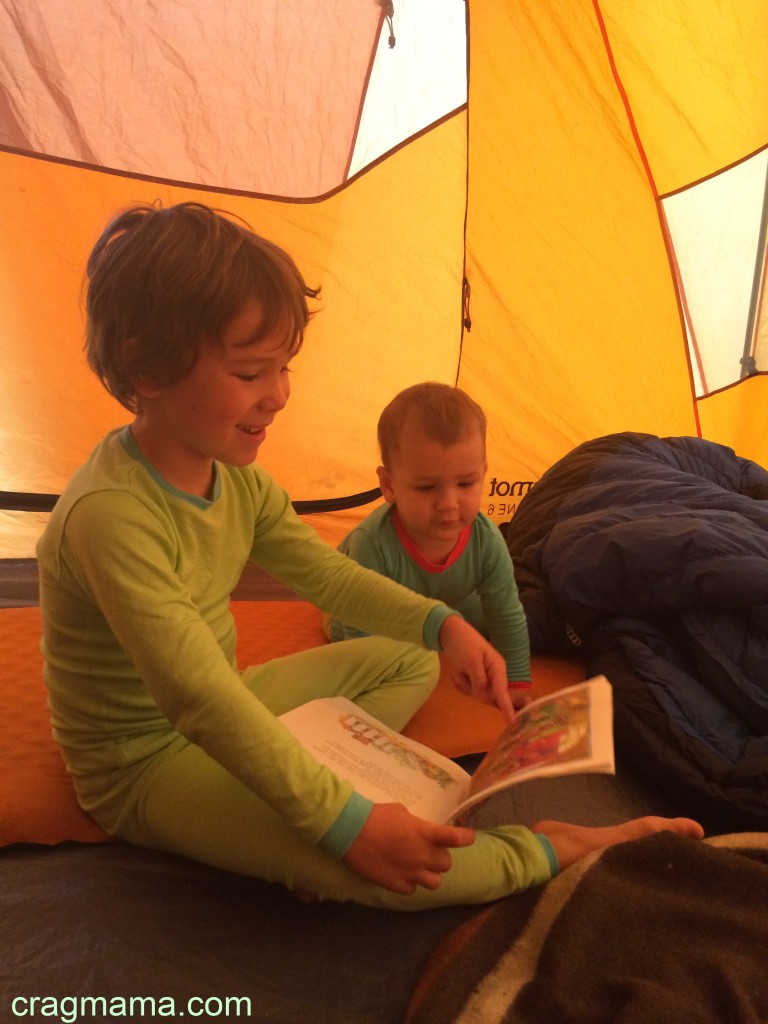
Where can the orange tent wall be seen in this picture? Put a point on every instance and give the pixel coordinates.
(579, 121)
(387, 253)
(594, 112)
(573, 306)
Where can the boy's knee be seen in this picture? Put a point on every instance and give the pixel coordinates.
(420, 660)
(423, 669)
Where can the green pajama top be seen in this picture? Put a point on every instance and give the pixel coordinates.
(478, 580)
(139, 641)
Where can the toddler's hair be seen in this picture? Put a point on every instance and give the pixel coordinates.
(442, 413)
(163, 281)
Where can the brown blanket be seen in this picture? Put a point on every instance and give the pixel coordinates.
(662, 929)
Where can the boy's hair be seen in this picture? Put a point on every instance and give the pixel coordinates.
(442, 413)
(164, 281)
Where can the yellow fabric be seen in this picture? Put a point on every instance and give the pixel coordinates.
(696, 75)
(737, 417)
(386, 252)
(581, 118)
(575, 328)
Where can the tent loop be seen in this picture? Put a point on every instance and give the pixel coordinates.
(466, 292)
(389, 13)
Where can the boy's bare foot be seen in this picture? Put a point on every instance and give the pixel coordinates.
(572, 842)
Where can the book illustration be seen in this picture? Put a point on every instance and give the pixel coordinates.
(549, 733)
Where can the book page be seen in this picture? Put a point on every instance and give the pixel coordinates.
(568, 731)
(380, 763)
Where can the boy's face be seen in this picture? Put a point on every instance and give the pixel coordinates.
(220, 410)
(437, 489)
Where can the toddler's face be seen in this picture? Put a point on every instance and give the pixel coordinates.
(437, 489)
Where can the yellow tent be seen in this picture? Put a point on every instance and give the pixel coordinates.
(560, 207)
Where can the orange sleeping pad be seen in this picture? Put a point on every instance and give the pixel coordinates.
(37, 800)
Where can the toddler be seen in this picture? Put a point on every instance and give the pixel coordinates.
(431, 535)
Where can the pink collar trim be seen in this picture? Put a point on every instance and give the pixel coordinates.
(408, 543)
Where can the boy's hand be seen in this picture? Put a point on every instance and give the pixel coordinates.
(478, 668)
(399, 851)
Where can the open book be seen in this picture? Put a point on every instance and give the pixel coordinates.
(565, 732)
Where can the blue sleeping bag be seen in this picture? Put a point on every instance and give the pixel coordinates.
(649, 555)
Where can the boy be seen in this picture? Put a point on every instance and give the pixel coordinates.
(431, 535)
(192, 323)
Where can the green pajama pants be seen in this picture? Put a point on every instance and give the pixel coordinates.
(188, 804)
